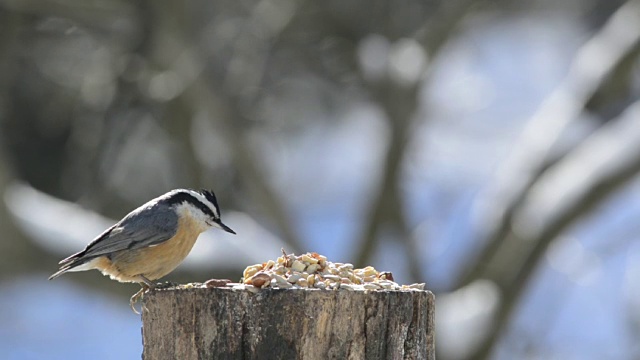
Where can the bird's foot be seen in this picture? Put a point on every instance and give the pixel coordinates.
(137, 296)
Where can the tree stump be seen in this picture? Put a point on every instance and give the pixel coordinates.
(222, 323)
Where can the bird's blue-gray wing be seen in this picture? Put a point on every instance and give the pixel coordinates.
(143, 227)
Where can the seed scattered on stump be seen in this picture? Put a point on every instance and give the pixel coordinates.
(312, 270)
(259, 279)
(216, 283)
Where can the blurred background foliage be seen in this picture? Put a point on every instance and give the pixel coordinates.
(487, 148)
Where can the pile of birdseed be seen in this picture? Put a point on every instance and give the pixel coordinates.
(312, 270)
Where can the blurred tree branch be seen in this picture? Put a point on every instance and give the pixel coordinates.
(17, 253)
(224, 111)
(590, 68)
(605, 162)
(98, 15)
(530, 165)
(166, 43)
(257, 56)
(400, 104)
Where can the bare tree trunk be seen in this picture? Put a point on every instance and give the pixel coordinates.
(221, 323)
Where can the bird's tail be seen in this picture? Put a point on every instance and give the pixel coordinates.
(72, 263)
(62, 270)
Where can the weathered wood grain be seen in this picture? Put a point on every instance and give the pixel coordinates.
(220, 323)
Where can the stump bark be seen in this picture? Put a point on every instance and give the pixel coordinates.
(221, 323)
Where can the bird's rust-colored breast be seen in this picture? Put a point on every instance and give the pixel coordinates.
(155, 261)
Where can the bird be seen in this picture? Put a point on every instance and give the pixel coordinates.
(150, 241)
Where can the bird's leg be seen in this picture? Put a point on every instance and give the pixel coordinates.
(146, 286)
(137, 296)
(149, 283)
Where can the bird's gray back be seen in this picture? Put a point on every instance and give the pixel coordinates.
(150, 224)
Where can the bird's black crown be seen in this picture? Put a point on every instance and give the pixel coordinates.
(209, 195)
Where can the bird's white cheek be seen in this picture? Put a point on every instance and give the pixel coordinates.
(201, 226)
(194, 217)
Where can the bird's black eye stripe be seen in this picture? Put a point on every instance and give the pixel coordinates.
(209, 195)
(180, 197)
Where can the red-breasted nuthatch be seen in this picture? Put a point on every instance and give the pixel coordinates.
(151, 241)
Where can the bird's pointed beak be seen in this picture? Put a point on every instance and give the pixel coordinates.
(225, 227)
